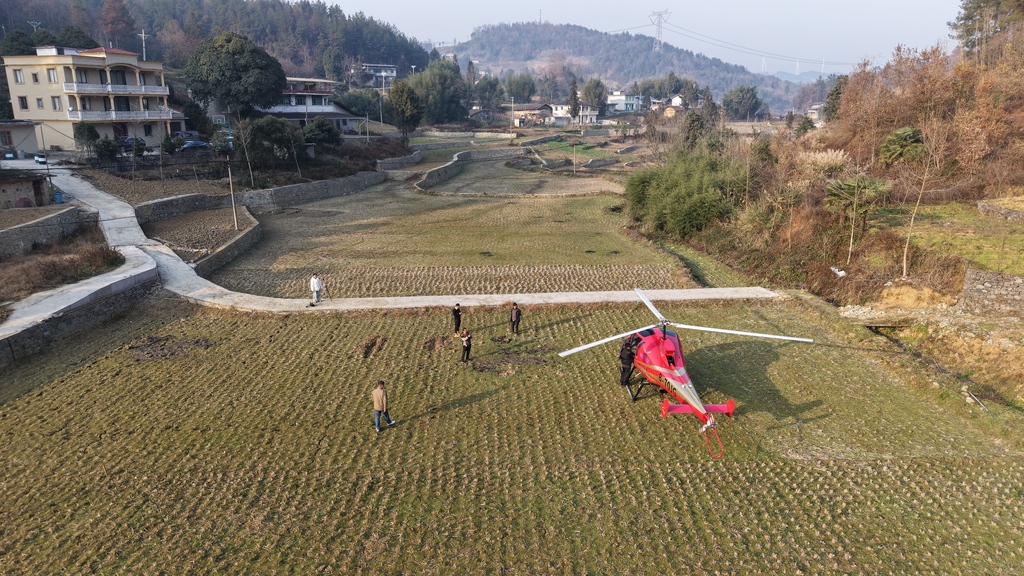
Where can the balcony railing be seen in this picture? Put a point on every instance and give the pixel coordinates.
(77, 87)
(121, 115)
(302, 109)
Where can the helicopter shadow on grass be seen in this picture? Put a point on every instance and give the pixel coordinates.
(739, 370)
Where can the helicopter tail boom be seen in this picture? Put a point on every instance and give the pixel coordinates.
(669, 408)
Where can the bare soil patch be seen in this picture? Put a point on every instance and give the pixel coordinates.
(145, 187)
(10, 218)
(167, 346)
(196, 234)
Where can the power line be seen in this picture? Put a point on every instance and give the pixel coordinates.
(693, 35)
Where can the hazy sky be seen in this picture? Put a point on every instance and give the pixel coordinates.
(841, 32)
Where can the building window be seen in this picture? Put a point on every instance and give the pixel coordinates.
(86, 103)
(23, 102)
(35, 78)
(300, 100)
(147, 130)
(145, 103)
(5, 139)
(117, 78)
(287, 100)
(51, 74)
(19, 77)
(39, 103)
(56, 102)
(83, 75)
(318, 100)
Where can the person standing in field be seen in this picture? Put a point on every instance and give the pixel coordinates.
(380, 406)
(457, 317)
(467, 344)
(513, 319)
(315, 286)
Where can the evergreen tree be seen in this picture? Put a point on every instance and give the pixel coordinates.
(595, 94)
(235, 72)
(574, 101)
(520, 86)
(74, 37)
(43, 37)
(17, 43)
(406, 106)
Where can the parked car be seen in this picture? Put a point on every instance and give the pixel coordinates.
(40, 157)
(194, 146)
(9, 155)
(186, 135)
(127, 143)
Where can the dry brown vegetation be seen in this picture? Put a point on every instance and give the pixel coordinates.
(75, 258)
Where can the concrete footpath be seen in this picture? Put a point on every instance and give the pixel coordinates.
(147, 259)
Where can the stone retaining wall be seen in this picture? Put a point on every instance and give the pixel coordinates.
(270, 197)
(599, 162)
(993, 294)
(441, 173)
(986, 208)
(400, 162)
(588, 133)
(19, 240)
(233, 248)
(90, 302)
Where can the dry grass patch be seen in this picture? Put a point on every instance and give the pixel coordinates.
(75, 258)
(11, 217)
(138, 190)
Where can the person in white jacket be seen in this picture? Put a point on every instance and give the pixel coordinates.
(315, 286)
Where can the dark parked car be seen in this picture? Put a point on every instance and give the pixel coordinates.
(126, 143)
(194, 146)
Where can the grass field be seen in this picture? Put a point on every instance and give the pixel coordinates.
(178, 441)
(388, 241)
(987, 242)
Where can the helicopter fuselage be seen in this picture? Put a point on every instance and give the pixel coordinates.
(659, 359)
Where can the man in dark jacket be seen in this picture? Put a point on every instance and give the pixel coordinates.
(457, 316)
(513, 319)
(626, 358)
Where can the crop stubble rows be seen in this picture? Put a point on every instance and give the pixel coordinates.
(243, 443)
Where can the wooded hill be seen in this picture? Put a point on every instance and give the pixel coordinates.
(310, 39)
(618, 60)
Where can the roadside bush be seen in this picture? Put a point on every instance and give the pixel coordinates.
(105, 150)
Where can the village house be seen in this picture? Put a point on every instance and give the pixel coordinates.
(110, 89)
(560, 114)
(530, 114)
(619, 101)
(22, 189)
(18, 137)
(304, 99)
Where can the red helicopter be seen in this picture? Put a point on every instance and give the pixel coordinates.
(655, 353)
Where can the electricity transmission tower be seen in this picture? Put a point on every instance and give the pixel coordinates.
(658, 18)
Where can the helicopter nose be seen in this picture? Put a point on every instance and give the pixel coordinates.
(682, 385)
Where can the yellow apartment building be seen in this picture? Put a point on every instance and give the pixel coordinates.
(109, 88)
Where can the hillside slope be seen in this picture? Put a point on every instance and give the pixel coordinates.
(618, 59)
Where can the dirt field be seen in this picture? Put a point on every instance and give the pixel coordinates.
(138, 191)
(194, 235)
(12, 217)
(495, 179)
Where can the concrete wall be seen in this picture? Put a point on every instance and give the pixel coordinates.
(988, 293)
(20, 239)
(233, 248)
(18, 193)
(1014, 215)
(599, 162)
(477, 135)
(88, 303)
(442, 173)
(400, 162)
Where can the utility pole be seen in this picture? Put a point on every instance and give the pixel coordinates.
(34, 24)
(143, 36)
(658, 18)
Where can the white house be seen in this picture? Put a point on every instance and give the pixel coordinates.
(619, 101)
(306, 98)
(560, 114)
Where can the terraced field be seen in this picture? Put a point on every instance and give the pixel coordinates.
(389, 241)
(178, 440)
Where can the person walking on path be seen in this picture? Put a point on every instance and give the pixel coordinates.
(457, 316)
(513, 319)
(380, 406)
(467, 344)
(315, 286)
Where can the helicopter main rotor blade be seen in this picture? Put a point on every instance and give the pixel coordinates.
(643, 297)
(605, 340)
(739, 333)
